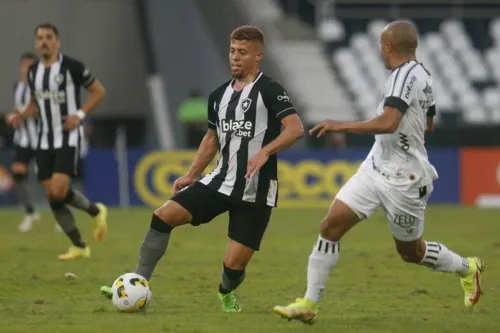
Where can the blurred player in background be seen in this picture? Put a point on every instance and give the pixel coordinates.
(245, 116)
(25, 143)
(396, 175)
(55, 82)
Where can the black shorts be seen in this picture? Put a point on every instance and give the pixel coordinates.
(247, 221)
(23, 155)
(60, 160)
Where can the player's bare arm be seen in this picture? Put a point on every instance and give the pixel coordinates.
(387, 122)
(205, 154)
(430, 124)
(292, 132)
(96, 95)
(430, 119)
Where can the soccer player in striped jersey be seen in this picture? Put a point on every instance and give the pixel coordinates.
(25, 143)
(245, 116)
(55, 82)
(396, 176)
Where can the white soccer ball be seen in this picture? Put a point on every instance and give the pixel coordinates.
(131, 293)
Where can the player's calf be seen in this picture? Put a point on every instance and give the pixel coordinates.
(326, 250)
(230, 280)
(432, 254)
(438, 257)
(76, 199)
(65, 219)
(411, 252)
(156, 240)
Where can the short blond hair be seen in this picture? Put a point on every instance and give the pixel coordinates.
(249, 33)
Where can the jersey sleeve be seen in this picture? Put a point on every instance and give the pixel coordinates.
(277, 101)
(211, 112)
(432, 111)
(81, 74)
(401, 90)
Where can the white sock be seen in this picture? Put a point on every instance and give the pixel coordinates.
(322, 260)
(440, 258)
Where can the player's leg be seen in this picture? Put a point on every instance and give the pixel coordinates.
(19, 170)
(66, 164)
(407, 230)
(356, 200)
(58, 188)
(196, 204)
(247, 225)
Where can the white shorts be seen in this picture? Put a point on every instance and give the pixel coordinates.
(404, 210)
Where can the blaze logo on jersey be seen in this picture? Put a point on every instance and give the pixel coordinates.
(58, 97)
(240, 128)
(245, 104)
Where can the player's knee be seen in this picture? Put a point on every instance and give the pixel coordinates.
(333, 227)
(237, 261)
(18, 170)
(173, 214)
(58, 192)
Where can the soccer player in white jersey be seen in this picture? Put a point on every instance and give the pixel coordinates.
(396, 176)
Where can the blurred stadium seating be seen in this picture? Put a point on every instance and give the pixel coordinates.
(462, 54)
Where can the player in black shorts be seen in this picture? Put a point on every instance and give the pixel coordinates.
(55, 82)
(25, 143)
(245, 116)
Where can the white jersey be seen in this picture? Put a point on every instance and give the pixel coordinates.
(26, 136)
(400, 159)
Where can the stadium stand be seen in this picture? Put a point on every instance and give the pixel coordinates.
(462, 55)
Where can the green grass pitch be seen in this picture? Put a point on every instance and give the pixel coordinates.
(371, 289)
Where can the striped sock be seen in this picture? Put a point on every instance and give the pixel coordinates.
(440, 258)
(322, 260)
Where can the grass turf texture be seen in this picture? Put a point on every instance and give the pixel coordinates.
(371, 289)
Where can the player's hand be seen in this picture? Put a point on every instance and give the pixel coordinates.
(326, 126)
(71, 122)
(182, 182)
(256, 162)
(14, 119)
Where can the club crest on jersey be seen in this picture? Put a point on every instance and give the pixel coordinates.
(59, 78)
(245, 104)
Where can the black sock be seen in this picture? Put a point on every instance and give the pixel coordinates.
(67, 222)
(78, 200)
(230, 280)
(153, 247)
(76, 238)
(23, 191)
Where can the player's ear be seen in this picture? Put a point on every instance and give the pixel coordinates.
(259, 55)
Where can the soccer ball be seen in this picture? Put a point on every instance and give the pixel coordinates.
(131, 293)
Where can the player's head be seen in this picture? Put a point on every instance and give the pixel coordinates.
(25, 61)
(246, 50)
(47, 40)
(398, 42)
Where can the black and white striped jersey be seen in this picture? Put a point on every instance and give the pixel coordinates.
(57, 91)
(246, 121)
(26, 135)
